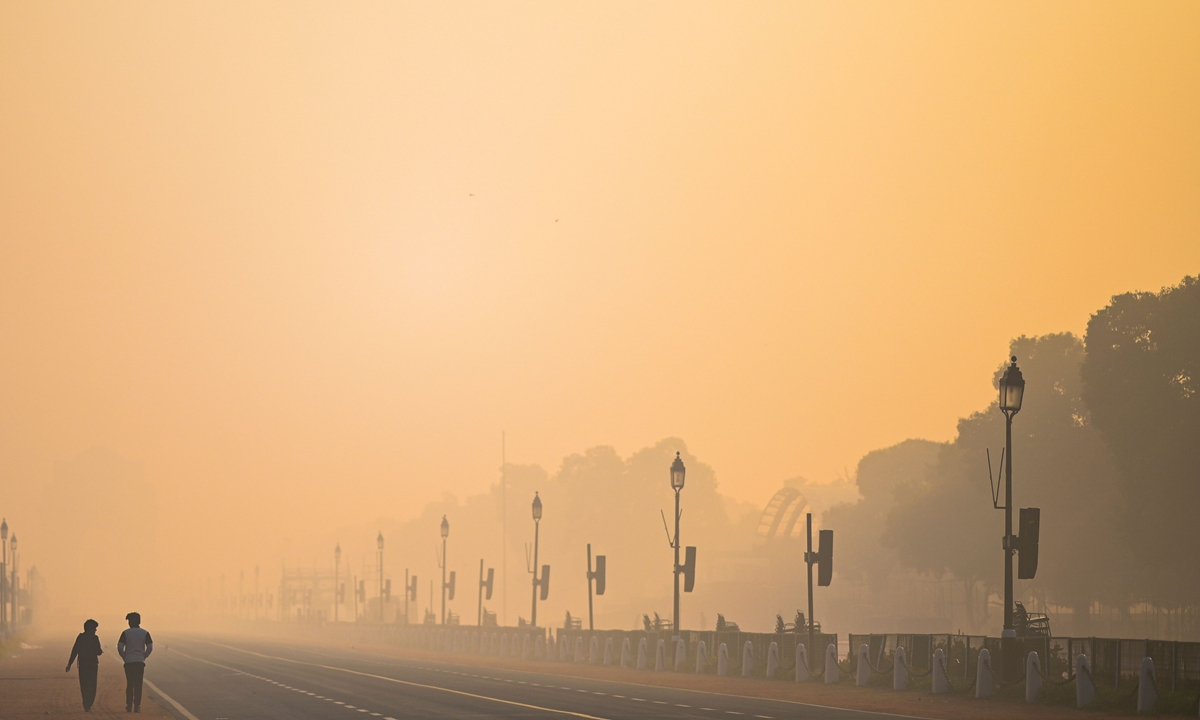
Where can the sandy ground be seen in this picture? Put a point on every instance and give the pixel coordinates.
(912, 704)
(33, 685)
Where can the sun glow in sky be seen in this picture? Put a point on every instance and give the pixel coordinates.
(314, 258)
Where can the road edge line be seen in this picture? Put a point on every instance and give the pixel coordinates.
(182, 710)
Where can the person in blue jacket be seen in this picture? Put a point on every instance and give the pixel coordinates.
(134, 647)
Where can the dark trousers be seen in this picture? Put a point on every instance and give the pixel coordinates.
(133, 683)
(87, 684)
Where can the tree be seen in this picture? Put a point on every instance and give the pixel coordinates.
(1141, 380)
(1060, 464)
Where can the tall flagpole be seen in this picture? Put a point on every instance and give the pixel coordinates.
(504, 526)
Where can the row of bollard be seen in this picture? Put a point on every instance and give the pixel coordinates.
(537, 647)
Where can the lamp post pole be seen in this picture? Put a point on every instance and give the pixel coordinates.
(14, 587)
(678, 472)
(445, 534)
(337, 572)
(537, 520)
(379, 543)
(4, 574)
(1012, 390)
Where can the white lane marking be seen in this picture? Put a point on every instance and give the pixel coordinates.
(182, 710)
(408, 683)
(765, 717)
(681, 705)
(709, 709)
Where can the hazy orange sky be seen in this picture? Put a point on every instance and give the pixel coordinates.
(305, 262)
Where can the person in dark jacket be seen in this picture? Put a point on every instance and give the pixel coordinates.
(87, 651)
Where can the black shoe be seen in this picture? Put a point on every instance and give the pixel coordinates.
(138, 708)
(128, 708)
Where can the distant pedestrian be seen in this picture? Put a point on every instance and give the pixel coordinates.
(134, 647)
(87, 650)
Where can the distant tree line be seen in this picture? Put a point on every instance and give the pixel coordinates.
(1107, 444)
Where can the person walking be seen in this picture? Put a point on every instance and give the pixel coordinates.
(134, 646)
(87, 650)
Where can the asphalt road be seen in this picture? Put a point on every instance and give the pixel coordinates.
(240, 679)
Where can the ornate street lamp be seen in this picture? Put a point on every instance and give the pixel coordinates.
(337, 567)
(678, 472)
(13, 589)
(445, 534)
(379, 545)
(1012, 392)
(3, 573)
(537, 521)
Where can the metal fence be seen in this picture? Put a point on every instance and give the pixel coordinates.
(1113, 660)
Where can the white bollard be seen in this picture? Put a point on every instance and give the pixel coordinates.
(984, 685)
(594, 650)
(1085, 689)
(772, 660)
(832, 673)
(564, 646)
(701, 657)
(642, 660)
(504, 645)
(525, 648)
(549, 653)
(660, 656)
(1033, 677)
(1146, 693)
(802, 673)
(608, 651)
(747, 659)
(862, 675)
(900, 669)
(941, 683)
(515, 647)
(680, 654)
(722, 659)
(579, 649)
(626, 652)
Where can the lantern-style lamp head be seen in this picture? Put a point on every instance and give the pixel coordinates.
(3, 529)
(677, 473)
(537, 507)
(337, 553)
(379, 541)
(1012, 389)
(445, 528)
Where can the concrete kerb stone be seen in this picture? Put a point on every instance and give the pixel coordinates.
(1085, 689)
(832, 672)
(772, 660)
(900, 669)
(984, 685)
(722, 659)
(941, 683)
(802, 673)
(862, 675)
(1147, 693)
(747, 659)
(1033, 676)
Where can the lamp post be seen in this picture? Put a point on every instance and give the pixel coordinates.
(1012, 391)
(3, 573)
(379, 544)
(445, 534)
(337, 568)
(537, 521)
(678, 471)
(13, 589)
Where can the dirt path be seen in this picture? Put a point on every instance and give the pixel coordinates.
(33, 685)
